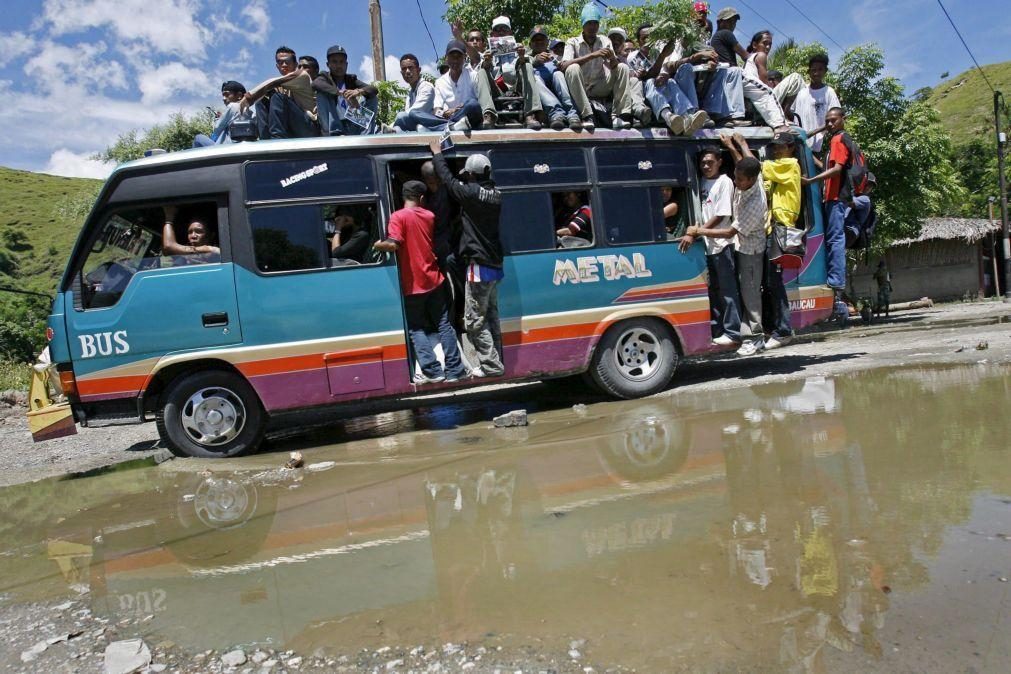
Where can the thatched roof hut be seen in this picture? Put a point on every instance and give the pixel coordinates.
(969, 230)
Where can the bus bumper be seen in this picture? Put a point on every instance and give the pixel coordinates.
(47, 419)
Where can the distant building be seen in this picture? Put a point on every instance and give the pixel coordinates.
(951, 259)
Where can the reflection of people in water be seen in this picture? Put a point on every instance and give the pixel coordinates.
(351, 241)
(576, 218)
(199, 239)
(670, 211)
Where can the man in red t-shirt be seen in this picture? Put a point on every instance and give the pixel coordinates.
(410, 235)
(837, 197)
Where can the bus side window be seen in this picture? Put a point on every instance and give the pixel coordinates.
(633, 215)
(130, 241)
(538, 221)
(351, 229)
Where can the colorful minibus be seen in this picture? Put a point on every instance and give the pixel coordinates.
(287, 316)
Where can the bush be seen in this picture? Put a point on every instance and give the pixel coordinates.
(14, 375)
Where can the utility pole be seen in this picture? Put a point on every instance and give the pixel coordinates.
(378, 53)
(1002, 182)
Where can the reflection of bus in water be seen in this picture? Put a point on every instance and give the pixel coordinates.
(649, 518)
(288, 316)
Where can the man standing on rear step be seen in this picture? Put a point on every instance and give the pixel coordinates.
(481, 252)
(410, 236)
(838, 196)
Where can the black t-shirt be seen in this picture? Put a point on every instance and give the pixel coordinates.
(723, 43)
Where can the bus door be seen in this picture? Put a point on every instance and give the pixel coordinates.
(320, 307)
(135, 301)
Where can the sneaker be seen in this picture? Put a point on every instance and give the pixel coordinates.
(454, 378)
(724, 340)
(558, 122)
(532, 123)
(750, 348)
(575, 123)
(644, 115)
(618, 124)
(776, 342)
(676, 123)
(425, 379)
(734, 123)
(588, 124)
(461, 125)
(476, 373)
(696, 121)
(490, 120)
(388, 128)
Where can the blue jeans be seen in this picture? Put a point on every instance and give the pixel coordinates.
(724, 95)
(835, 244)
(431, 309)
(331, 119)
(280, 117)
(677, 94)
(775, 295)
(412, 120)
(724, 295)
(202, 140)
(554, 92)
(856, 217)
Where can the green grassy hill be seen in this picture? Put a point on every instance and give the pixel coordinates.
(40, 217)
(966, 103)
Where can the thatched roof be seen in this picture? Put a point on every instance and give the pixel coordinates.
(969, 230)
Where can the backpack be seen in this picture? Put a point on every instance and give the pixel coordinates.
(855, 182)
(860, 234)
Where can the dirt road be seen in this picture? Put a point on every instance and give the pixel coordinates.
(951, 333)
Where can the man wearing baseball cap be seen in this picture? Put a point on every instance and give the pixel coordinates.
(231, 94)
(516, 74)
(554, 92)
(702, 16)
(480, 251)
(620, 46)
(584, 66)
(456, 100)
(338, 92)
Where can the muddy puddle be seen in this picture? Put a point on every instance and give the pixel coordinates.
(861, 522)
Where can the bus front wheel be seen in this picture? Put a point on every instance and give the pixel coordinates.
(210, 414)
(635, 358)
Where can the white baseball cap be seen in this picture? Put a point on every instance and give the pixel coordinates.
(618, 31)
(476, 165)
(502, 21)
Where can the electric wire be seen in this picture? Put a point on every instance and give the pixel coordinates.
(811, 21)
(425, 24)
(964, 44)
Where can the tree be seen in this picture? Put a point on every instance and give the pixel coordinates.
(391, 100)
(176, 134)
(790, 56)
(565, 23)
(523, 14)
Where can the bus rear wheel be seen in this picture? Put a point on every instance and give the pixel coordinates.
(210, 414)
(635, 358)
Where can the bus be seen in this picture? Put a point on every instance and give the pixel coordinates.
(211, 347)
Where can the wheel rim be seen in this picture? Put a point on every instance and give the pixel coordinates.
(213, 416)
(222, 503)
(647, 443)
(637, 354)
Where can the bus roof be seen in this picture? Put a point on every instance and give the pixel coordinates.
(265, 149)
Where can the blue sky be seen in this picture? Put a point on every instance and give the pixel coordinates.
(74, 74)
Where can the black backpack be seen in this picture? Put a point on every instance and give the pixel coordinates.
(855, 182)
(859, 237)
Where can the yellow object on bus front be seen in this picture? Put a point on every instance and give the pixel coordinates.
(47, 419)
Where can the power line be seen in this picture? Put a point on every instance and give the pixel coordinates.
(985, 78)
(778, 30)
(425, 24)
(810, 21)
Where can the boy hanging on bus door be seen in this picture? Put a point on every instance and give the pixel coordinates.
(717, 209)
(410, 236)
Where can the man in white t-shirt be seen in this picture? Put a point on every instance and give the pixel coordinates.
(814, 101)
(717, 214)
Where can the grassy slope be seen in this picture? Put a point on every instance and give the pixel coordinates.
(966, 103)
(30, 203)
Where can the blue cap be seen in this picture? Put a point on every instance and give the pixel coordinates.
(590, 13)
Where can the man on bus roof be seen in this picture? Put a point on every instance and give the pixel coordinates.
(285, 105)
(340, 95)
(480, 250)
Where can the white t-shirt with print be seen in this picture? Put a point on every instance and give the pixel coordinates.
(718, 200)
(811, 105)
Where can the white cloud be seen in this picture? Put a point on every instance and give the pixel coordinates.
(63, 162)
(166, 26)
(56, 66)
(256, 14)
(14, 46)
(392, 69)
(158, 84)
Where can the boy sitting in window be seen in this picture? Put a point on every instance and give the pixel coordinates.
(575, 221)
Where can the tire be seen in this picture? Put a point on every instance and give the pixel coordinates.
(210, 414)
(647, 446)
(635, 358)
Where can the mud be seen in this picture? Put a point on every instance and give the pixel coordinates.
(861, 521)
